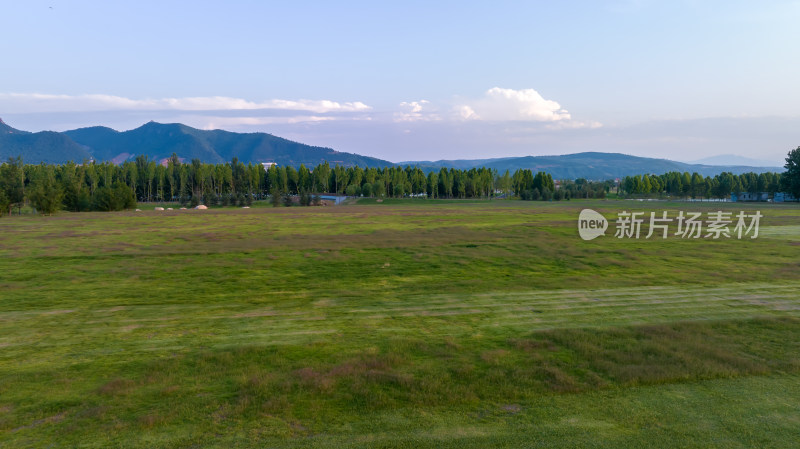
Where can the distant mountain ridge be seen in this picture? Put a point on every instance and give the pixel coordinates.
(159, 141)
(591, 165)
(733, 159)
(46, 146)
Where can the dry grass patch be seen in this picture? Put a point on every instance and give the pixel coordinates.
(116, 387)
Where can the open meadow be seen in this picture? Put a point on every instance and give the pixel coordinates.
(406, 323)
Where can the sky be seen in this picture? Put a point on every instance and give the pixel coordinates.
(418, 80)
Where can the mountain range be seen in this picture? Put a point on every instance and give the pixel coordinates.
(159, 141)
(591, 165)
(733, 159)
(45, 146)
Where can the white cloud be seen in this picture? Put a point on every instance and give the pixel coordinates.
(416, 106)
(416, 111)
(573, 124)
(467, 113)
(35, 102)
(215, 122)
(499, 104)
(237, 122)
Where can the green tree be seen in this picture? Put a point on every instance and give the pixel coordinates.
(543, 181)
(698, 185)
(379, 189)
(104, 200)
(124, 195)
(366, 190)
(44, 192)
(504, 183)
(321, 176)
(433, 184)
(726, 184)
(790, 181)
(686, 184)
(647, 186)
(4, 203)
(304, 178)
(305, 198)
(12, 183)
(292, 180)
(275, 197)
(119, 196)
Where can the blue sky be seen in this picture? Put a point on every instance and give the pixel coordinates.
(418, 80)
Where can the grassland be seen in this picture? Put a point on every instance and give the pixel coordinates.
(396, 324)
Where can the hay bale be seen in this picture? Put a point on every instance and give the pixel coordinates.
(159, 208)
(201, 207)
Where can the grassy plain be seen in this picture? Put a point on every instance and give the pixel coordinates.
(396, 324)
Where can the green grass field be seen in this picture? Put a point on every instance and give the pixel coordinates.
(405, 323)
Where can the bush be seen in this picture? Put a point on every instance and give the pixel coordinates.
(125, 196)
(45, 195)
(305, 199)
(120, 197)
(103, 200)
(530, 195)
(275, 197)
(5, 204)
(366, 190)
(76, 200)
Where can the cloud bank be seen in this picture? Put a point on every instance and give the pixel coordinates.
(36, 102)
(496, 105)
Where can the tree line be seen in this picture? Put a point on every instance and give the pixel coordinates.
(107, 186)
(694, 185)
